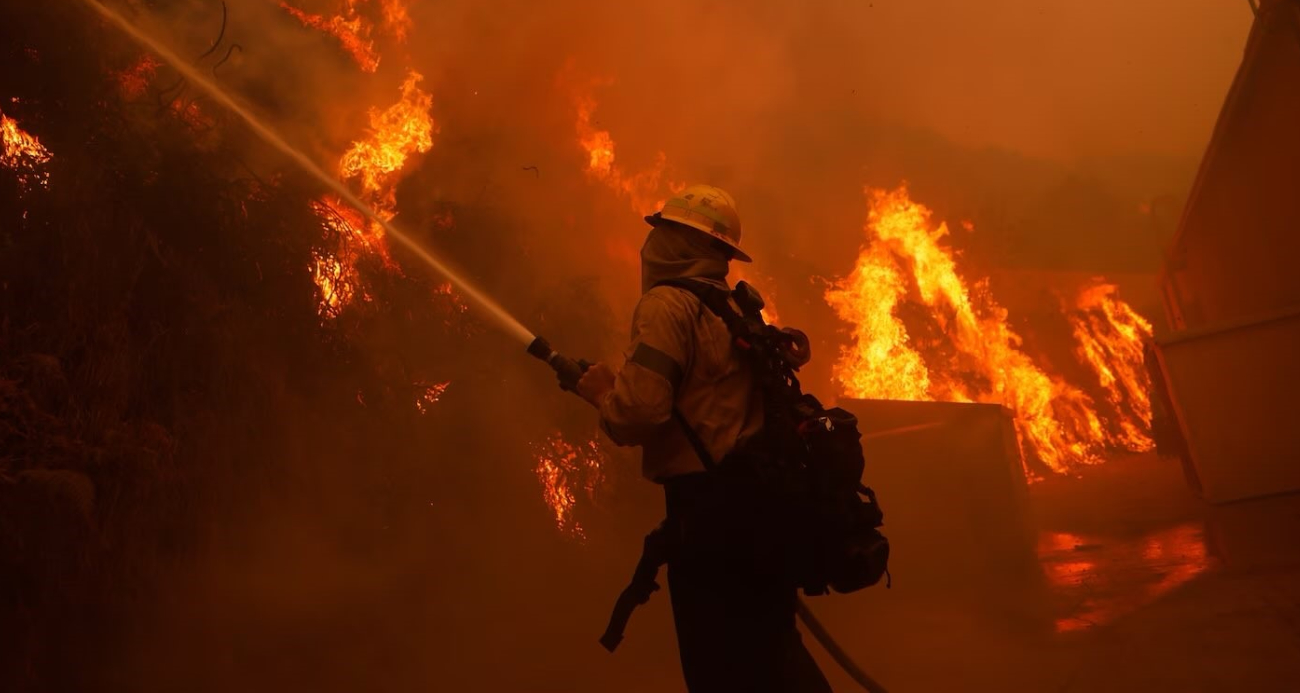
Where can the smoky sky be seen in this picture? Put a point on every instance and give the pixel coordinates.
(1051, 126)
(1055, 79)
(1060, 80)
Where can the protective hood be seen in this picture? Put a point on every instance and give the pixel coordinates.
(671, 253)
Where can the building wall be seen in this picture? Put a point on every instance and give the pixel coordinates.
(1237, 251)
(1232, 281)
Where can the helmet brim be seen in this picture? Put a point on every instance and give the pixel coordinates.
(736, 253)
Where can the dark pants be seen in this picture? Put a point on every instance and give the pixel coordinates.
(733, 608)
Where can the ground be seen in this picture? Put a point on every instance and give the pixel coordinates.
(1144, 588)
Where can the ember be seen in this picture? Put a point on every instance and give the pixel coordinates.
(565, 470)
(429, 394)
(23, 153)
(136, 79)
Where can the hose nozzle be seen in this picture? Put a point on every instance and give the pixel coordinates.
(566, 369)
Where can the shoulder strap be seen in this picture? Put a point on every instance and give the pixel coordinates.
(715, 300)
(697, 443)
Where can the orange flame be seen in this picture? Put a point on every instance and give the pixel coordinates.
(880, 363)
(377, 162)
(23, 153)
(135, 80)
(977, 355)
(335, 280)
(353, 26)
(348, 28)
(564, 471)
(335, 273)
(403, 129)
(397, 19)
(1111, 336)
(643, 189)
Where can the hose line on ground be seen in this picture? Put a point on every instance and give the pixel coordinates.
(836, 652)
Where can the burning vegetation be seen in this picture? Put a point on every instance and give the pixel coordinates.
(376, 162)
(353, 26)
(566, 473)
(23, 154)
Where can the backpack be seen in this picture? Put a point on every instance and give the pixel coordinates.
(807, 459)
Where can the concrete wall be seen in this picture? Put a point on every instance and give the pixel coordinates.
(950, 482)
(1231, 283)
(1238, 246)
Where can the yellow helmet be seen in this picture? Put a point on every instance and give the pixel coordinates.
(708, 209)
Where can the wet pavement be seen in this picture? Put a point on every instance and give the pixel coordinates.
(1100, 580)
(1142, 588)
(1209, 604)
(1160, 592)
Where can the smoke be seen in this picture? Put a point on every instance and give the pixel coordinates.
(1050, 127)
(344, 541)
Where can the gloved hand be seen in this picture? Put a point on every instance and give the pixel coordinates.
(597, 382)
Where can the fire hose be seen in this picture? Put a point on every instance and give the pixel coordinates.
(837, 653)
(569, 371)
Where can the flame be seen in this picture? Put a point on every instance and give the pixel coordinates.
(134, 81)
(351, 31)
(643, 189)
(353, 26)
(335, 272)
(335, 280)
(377, 163)
(1111, 336)
(24, 154)
(455, 303)
(880, 363)
(397, 19)
(974, 355)
(565, 470)
(403, 129)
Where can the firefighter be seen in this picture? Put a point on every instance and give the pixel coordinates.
(733, 609)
